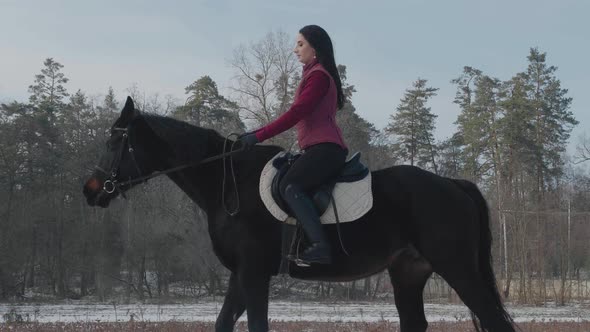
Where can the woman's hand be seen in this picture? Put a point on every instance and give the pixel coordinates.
(248, 140)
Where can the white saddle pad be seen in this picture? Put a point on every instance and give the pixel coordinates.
(353, 199)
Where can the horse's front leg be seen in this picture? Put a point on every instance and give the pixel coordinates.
(255, 287)
(233, 306)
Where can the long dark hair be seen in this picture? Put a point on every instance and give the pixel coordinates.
(318, 39)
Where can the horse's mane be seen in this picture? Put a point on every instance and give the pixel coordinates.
(189, 142)
(166, 122)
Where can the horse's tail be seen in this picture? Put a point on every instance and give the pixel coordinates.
(485, 248)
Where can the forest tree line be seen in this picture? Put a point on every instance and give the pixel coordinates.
(511, 140)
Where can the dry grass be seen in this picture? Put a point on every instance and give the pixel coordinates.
(281, 326)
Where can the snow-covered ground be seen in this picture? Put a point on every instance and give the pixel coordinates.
(278, 310)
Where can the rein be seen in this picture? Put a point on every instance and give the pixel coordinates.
(112, 184)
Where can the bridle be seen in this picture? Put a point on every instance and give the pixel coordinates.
(112, 184)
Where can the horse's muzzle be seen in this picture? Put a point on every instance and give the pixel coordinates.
(94, 193)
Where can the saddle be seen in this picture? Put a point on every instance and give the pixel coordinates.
(354, 170)
(346, 198)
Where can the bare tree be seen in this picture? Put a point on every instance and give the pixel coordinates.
(265, 72)
(583, 149)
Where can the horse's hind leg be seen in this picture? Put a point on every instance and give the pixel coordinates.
(478, 297)
(409, 273)
(233, 306)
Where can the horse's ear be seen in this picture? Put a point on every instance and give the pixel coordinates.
(129, 112)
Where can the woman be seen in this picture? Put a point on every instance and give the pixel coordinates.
(313, 112)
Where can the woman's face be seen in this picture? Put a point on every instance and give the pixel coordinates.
(305, 53)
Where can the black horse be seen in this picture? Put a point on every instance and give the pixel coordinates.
(420, 223)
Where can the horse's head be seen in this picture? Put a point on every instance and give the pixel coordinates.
(124, 159)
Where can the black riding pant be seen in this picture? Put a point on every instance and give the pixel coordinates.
(317, 165)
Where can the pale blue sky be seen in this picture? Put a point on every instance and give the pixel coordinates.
(163, 46)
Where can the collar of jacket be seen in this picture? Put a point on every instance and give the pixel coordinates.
(310, 65)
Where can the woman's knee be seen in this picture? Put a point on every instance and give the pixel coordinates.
(283, 185)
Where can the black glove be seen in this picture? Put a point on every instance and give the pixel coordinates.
(248, 140)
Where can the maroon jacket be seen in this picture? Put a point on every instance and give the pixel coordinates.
(313, 111)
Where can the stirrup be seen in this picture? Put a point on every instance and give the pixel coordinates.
(299, 262)
(306, 263)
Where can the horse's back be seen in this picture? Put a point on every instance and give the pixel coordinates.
(413, 180)
(433, 201)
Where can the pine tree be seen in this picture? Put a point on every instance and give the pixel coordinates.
(357, 132)
(468, 122)
(48, 111)
(47, 97)
(413, 126)
(347, 89)
(110, 102)
(48, 91)
(450, 161)
(205, 107)
(552, 121)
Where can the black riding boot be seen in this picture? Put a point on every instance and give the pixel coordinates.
(319, 250)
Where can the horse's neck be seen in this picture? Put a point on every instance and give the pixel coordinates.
(202, 183)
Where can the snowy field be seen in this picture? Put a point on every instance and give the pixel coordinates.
(278, 311)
